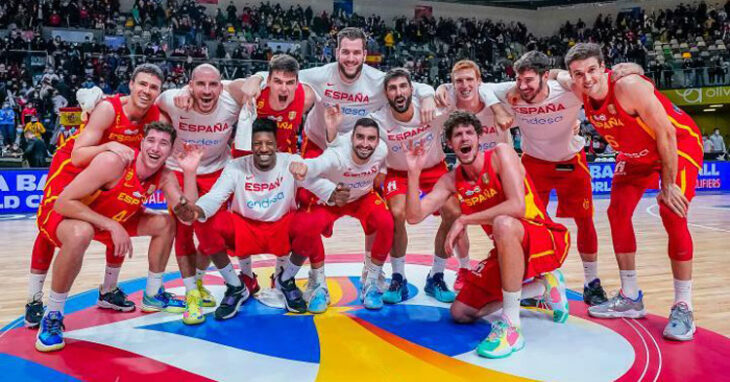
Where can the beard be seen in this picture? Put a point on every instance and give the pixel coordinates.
(348, 76)
(405, 107)
(539, 89)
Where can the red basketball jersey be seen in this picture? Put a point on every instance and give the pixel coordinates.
(288, 120)
(633, 139)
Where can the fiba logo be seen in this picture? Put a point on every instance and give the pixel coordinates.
(620, 167)
(690, 96)
(391, 186)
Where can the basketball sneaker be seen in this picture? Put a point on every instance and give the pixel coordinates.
(316, 293)
(681, 325)
(382, 282)
(193, 314)
(292, 295)
(232, 300)
(593, 293)
(116, 300)
(371, 296)
(207, 298)
(50, 334)
(252, 283)
(620, 306)
(34, 311)
(162, 302)
(397, 291)
(503, 340)
(436, 288)
(460, 279)
(555, 296)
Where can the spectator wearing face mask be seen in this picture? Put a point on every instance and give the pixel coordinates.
(7, 124)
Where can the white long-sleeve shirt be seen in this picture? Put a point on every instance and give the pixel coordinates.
(260, 195)
(337, 165)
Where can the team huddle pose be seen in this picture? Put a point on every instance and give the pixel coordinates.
(225, 156)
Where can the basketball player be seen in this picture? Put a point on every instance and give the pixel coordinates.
(104, 202)
(553, 155)
(463, 94)
(496, 193)
(116, 126)
(263, 191)
(399, 123)
(352, 161)
(656, 141)
(208, 125)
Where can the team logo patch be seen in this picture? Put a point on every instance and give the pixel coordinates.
(611, 108)
(292, 115)
(129, 175)
(151, 189)
(414, 340)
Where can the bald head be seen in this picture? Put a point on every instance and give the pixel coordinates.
(206, 87)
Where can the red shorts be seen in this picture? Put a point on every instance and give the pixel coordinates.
(545, 247)
(646, 176)
(306, 198)
(570, 179)
(253, 237)
(359, 209)
(210, 239)
(396, 182)
(50, 225)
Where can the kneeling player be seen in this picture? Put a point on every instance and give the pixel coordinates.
(104, 203)
(495, 192)
(352, 161)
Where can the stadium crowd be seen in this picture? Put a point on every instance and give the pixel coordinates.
(679, 47)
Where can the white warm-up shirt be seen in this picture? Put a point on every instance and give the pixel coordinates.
(337, 165)
(491, 133)
(260, 195)
(210, 131)
(547, 126)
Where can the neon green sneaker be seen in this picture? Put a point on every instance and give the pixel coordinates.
(193, 314)
(207, 298)
(503, 340)
(555, 295)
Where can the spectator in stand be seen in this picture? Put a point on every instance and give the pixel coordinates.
(718, 143)
(34, 127)
(28, 112)
(35, 150)
(707, 148)
(7, 124)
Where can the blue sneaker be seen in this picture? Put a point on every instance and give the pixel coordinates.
(436, 288)
(162, 302)
(371, 296)
(319, 300)
(50, 334)
(397, 291)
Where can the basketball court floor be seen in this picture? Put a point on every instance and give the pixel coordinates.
(415, 340)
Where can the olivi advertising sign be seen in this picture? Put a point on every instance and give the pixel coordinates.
(699, 96)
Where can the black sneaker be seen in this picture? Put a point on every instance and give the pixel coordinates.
(292, 295)
(116, 300)
(34, 312)
(232, 300)
(593, 294)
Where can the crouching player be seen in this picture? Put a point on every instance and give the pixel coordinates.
(495, 192)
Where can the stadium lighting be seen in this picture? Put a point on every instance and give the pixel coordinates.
(716, 105)
(708, 110)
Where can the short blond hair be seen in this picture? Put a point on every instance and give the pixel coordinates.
(466, 64)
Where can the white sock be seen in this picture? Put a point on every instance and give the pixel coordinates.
(111, 276)
(464, 262)
(281, 263)
(245, 265)
(189, 283)
(154, 283)
(35, 286)
(199, 274)
(399, 265)
(290, 270)
(511, 306)
(373, 272)
(318, 275)
(438, 266)
(229, 275)
(683, 292)
(56, 302)
(533, 289)
(629, 284)
(590, 271)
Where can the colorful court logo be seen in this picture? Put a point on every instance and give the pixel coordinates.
(415, 340)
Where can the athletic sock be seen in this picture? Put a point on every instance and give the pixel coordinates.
(629, 284)
(245, 265)
(154, 283)
(111, 276)
(199, 274)
(683, 292)
(56, 302)
(535, 289)
(373, 272)
(35, 286)
(190, 284)
(511, 306)
(399, 265)
(464, 262)
(439, 264)
(229, 275)
(281, 264)
(290, 270)
(590, 271)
